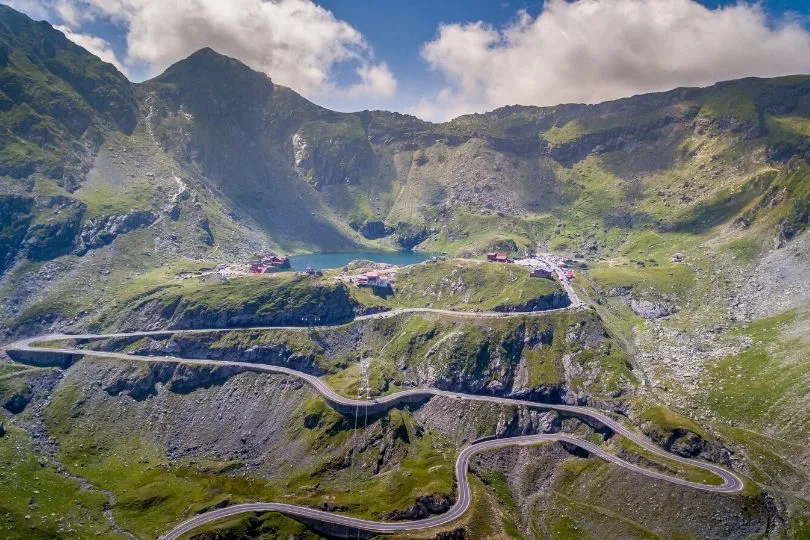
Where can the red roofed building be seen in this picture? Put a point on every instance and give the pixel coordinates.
(276, 261)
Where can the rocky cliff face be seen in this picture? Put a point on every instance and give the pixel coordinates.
(15, 216)
(99, 232)
(552, 301)
(559, 362)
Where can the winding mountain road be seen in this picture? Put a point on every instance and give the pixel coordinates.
(26, 350)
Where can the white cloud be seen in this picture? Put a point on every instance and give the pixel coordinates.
(375, 80)
(70, 14)
(94, 45)
(296, 42)
(596, 50)
(36, 9)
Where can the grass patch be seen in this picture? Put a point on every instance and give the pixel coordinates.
(670, 279)
(456, 284)
(136, 196)
(761, 385)
(729, 104)
(668, 420)
(40, 503)
(569, 132)
(545, 368)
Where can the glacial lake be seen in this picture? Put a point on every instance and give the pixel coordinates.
(320, 261)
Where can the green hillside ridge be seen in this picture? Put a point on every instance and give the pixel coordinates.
(152, 489)
(466, 285)
(157, 301)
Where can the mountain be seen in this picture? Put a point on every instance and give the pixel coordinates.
(576, 177)
(526, 174)
(686, 212)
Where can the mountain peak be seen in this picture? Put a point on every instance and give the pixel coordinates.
(209, 63)
(207, 53)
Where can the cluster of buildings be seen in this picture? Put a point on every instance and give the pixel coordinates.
(268, 263)
(310, 272)
(372, 279)
(540, 265)
(538, 268)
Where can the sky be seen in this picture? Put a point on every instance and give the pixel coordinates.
(438, 59)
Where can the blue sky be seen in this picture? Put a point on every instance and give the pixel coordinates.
(439, 58)
(397, 29)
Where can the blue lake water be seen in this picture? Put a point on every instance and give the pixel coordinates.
(320, 261)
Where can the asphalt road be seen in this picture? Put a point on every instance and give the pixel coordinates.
(731, 482)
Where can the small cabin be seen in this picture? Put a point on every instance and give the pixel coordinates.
(498, 257)
(502, 258)
(538, 272)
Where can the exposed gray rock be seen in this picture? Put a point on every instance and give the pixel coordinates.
(652, 309)
(424, 506)
(99, 232)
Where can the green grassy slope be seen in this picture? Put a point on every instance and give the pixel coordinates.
(468, 286)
